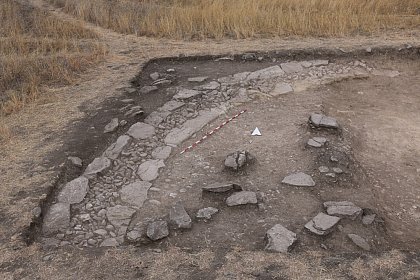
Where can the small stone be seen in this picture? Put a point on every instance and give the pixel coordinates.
(179, 217)
(320, 62)
(279, 239)
(76, 161)
(306, 64)
(154, 76)
(323, 169)
(242, 198)
(111, 126)
(238, 159)
(321, 140)
(141, 131)
(135, 193)
(127, 100)
(207, 213)
(85, 217)
(314, 144)
(170, 70)
(342, 209)
(213, 85)
(109, 242)
(149, 170)
(197, 79)
(299, 179)
(221, 187)
(157, 230)
(101, 232)
(359, 241)
(133, 235)
(36, 212)
(147, 89)
(172, 105)
(184, 94)
(319, 120)
(162, 152)
(322, 224)
(291, 67)
(119, 215)
(281, 88)
(337, 170)
(368, 219)
(102, 213)
(98, 165)
(368, 49)
(92, 241)
(123, 123)
(331, 175)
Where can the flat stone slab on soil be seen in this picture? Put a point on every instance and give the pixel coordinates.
(57, 218)
(74, 191)
(114, 151)
(322, 224)
(178, 217)
(157, 230)
(98, 165)
(149, 170)
(242, 198)
(299, 179)
(221, 187)
(156, 117)
(266, 73)
(171, 105)
(109, 242)
(111, 126)
(184, 94)
(76, 161)
(280, 239)
(319, 120)
(141, 131)
(359, 241)
(343, 209)
(120, 215)
(238, 159)
(148, 89)
(207, 212)
(135, 193)
(317, 142)
(162, 152)
(291, 67)
(281, 88)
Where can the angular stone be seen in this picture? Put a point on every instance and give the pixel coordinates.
(207, 212)
(133, 235)
(323, 169)
(141, 131)
(110, 242)
(178, 217)
(171, 105)
(299, 179)
(210, 86)
(322, 224)
(177, 135)
(343, 209)
(359, 241)
(76, 161)
(148, 89)
(320, 62)
(280, 239)
(368, 219)
(321, 140)
(98, 165)
(162, 152)
(154, 76)
(291, 67)
(242, 198)
(114, 151)
(156, 117)
(149, 170)
(319, 120)
(135, 193)
(238, 159)
(111, 126)
(100, 232)
(120, 215)
(197, 79)
(314, 144)
(266, 73)
(306, 64)
(337, 170)
(74, 191)
(57, 218)
(219, 187)
(157, 230)
(281, 88)
(184, 94)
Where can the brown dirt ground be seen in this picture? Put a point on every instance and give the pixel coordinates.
(380, 117)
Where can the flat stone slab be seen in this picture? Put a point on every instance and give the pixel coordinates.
(109, 242)
(135, 193)
(177, 135)
(281, 88)
(156, 117)
(111, 126)
(359, 241)
(197, 79)
(149, 170)
(141, 131)
(221, 187)
(291, 67)
(120, 215)
(207, 213)
(98, 165)
(317, 142)
(74, 191)
(238, 159)
(242, 198)
(178, 217)
(368, 219)
(148, 89)
(157, 230)
(114, 151)
(322, 224)
(319, 120)
(319, 62)
(280, 239)
(76, 161)
(386, 73)
(57, 218)
(162, 152)
(343, 209)
(266, 73)
(184, 94)
(171, 105)
(299, 179)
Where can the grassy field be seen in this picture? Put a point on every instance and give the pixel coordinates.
(37, 49)
(196, 19)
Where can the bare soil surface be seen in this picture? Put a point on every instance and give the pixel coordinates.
(377, 148)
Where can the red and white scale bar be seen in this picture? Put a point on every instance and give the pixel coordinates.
(208, 134)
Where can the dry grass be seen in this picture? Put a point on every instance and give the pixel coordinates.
(38, 49)
(246, 18)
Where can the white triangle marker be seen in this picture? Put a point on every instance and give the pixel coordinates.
(256, 132)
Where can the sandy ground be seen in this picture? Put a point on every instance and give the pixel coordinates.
(386, 143)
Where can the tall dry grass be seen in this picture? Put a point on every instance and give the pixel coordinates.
(246, 18)
(39, 49)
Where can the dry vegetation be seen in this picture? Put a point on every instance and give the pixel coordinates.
(38, 49)
(246, 18)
